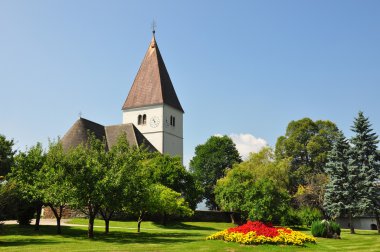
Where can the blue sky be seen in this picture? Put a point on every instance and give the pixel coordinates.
(239, 67)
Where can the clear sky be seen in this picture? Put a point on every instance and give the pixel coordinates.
(239, 67)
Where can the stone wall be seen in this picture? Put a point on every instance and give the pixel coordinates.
(68, 213)
(199, 215)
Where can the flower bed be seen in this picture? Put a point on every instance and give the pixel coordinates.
(259, 233)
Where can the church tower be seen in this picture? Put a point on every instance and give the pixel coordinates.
(153, 106)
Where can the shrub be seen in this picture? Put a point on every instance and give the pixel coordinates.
(308, 215)
(291, 218)
(326, 229)
(25, 213)
(318, 229)
(335, 228)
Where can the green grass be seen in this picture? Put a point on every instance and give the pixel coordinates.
(186, 236)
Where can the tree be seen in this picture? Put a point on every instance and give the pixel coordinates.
(341, 193)
(365, 160)
(87, 164)
(56, 183)
(6, 155)
(121, 180)
(307, 144)
(210, 162)
(26, 173)
(158, 199)
(164, 200)
(170, 172)
(256, 188)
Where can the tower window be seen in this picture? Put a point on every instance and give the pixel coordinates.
(139, 120)
(172, 121)
(144, 119)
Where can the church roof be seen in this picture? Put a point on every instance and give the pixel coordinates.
(152, 84)
(78, 134)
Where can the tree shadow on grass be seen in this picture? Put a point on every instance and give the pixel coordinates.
(148, 238)
(23, 242)
(183, 226)
(80, 233)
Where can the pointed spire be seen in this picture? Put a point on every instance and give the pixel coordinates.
(152, 84)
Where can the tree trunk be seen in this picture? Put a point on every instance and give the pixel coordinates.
(91, 226)
(377, 222)
(58, 217)
(164, 219)
(351, 219)
(38, 216)
(232, 218)
(140, 219)
(106, 217)
(59, 231)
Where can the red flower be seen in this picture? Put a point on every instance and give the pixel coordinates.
(260, 228)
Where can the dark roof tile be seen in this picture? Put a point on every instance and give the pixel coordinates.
(152, 84)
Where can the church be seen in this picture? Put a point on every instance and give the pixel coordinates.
(152, 113)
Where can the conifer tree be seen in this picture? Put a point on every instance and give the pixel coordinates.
(366, 161)
(339, 190)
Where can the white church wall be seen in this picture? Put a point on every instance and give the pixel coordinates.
(164, 136)
(153, 134)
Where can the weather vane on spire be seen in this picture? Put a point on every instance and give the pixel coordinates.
(154, 25)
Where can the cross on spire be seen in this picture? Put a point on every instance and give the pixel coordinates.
(154, 25)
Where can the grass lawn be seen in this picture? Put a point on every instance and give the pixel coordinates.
(186, 236)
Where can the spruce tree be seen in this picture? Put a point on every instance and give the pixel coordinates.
(340, 193)
(365, 161)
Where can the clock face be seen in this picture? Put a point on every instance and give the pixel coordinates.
(154, 121)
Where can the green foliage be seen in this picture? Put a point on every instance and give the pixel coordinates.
(267, 202)
(210, 162)
(25, 213)
(6, 155)
(291, 218)
(325, 229)
(10, 200)
(88, 164)
(255, 188)
(365, 165)
(308, 215)
(341, 192)
(306, 143)
(26, 173)
(318, 229)
(170, 172)
(312, 194)
(164, 200)
(335, 227)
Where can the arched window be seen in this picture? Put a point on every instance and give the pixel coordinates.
(173, 121)
(139, 120)
(144, 119)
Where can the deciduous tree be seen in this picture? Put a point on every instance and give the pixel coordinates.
(56, 183)
(87, 164)
(307, 143)
(256, 188)
(210, 162)
(26, 174)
